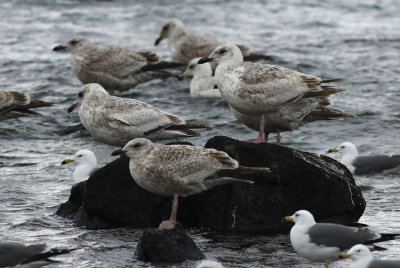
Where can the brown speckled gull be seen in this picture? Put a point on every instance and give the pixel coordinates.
(115, 121)
(180, 170)
(263, 92)
(184, 47)
(15, 104)
(113, 68)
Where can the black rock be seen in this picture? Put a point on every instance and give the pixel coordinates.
(74, 203)
(167, 246)
(298, 180)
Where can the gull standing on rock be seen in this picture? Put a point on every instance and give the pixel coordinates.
(115, 121)
(323, 242)
(181, 170)
(362, 258)
(15, 104)
(389, 164)
(113, 68)
(202, 84)
(86, 164)
(283, 98)
(184, 47)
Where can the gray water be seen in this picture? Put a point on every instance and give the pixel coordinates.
(358, 40)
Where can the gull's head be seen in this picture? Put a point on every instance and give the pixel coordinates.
(226, 53)
(209, 264)
(89, 92)
(74, 45)
(346, 148)
(135, 148)
(358, 252)
(169, 28)
(301, 217)
(195, 69)
(82, 157)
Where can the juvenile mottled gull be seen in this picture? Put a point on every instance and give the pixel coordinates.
(180, 170)
(323, 242)
(17, 254)
(202, 84)
(184, 47)
(362, 258)
(113, 68)
(86, 164)
(115, 121)
(366, 164)
(273, 93)
(209, 264)
(14, 104)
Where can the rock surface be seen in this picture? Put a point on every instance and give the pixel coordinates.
(298, 180)
(167, 246)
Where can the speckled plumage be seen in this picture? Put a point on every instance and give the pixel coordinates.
(184, 47)
(14, 104)
(113, 68)
(202, 84)
(286, 97)
(180, 169)
(115, 121)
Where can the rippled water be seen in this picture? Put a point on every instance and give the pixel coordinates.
(356, 40)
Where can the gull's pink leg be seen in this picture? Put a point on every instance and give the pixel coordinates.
(261, 133)
(278, 138)
(170, 224)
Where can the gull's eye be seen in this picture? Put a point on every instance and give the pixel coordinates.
(74, 42)
(359, 250)
(297, 215)
(165, 28)
(342, 147)
(222, 51)
(80, 155)
(137, 145)
(191, 66)
(80, 94)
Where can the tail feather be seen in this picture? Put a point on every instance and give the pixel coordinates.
(212, 181)
(189, 125)
(34, 104)
(257, 56)
(326, 91)
(48, 254)
(331, 80)
(161, 65)
(384, 237)
(326, 113)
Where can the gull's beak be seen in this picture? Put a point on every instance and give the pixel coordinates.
(287, 218)
(333, 150)
(67, 161)
(344, 256)
(118, 152)
(60, 47)
(72, 107)
(158, 40)
(205, 59)
(185, 74)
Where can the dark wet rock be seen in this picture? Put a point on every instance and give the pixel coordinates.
(298, 180)
(167, 246)
(69, 208)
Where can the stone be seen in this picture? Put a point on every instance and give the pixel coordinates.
(167, 246)
(298, 180)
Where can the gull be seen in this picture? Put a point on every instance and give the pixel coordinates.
(113, 68)
(115, 121)
(362, 258)
(180, 170)
(323, 242)
(184, 47)
(15, 104)
(86, 164)
(16, 254)
(209, 264)
(202, 84)
(283, 96)
(389, 164)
